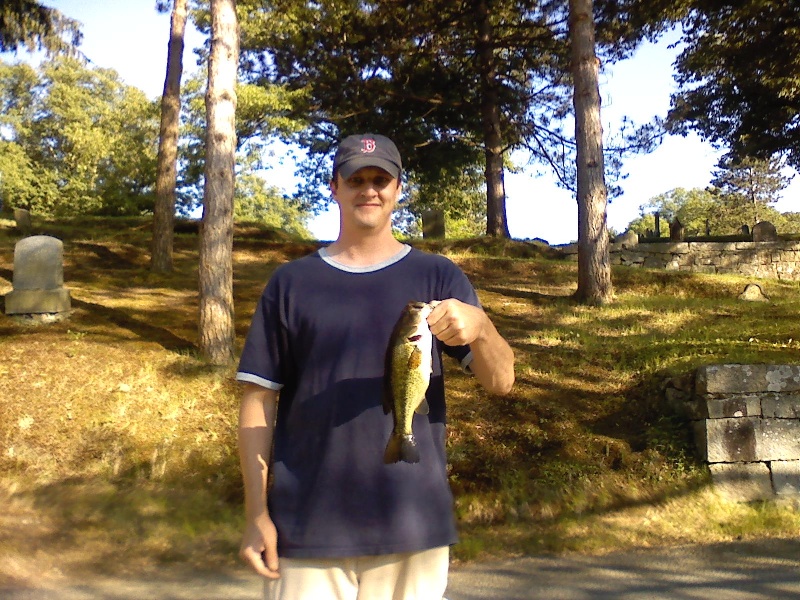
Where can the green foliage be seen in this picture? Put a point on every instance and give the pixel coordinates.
(256, 201)
(741, 194)
(462, 197)
(405, 69)
(20, 184)
(80, 141)
(262, 114)
(29, 24)
(739, 82)
(746, 187)
(692, 207)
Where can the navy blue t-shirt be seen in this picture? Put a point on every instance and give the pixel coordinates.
(319, 335)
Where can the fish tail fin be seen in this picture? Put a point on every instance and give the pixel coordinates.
(401, 447)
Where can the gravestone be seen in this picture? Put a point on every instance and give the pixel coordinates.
(745, 229)
(22, 218)
(38, 279)
(628, 239)
(764, 231)
(433, 224)
(753, 293)
(676, 231)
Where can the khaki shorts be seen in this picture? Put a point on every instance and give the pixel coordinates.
(409, 576)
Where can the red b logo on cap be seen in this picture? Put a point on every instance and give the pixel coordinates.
(368, 146)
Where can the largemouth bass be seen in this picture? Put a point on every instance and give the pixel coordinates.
(406, 379)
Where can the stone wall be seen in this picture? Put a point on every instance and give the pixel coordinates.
(773, 260)
(746, 421)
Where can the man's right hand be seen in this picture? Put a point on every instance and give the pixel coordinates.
(259, 547)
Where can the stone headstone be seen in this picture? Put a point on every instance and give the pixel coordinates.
(676, 232)
(22, 218)
(433, 224)
(628, 239)
(753, 293)
(745, 229)
(764, 231)
(38, 279)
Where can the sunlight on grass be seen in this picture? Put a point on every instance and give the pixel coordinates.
(116, 437)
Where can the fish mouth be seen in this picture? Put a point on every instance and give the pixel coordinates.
(415, 338)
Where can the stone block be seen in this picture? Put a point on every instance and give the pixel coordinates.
(778, 439)
(708, 269)
(676, 248)
(743, 481)
(785, 476)
(694, 410)
(728, 440)
(654, 262)
(731, 379)
(781, 406)
(33, 302)
(629, 256)
(745, 405)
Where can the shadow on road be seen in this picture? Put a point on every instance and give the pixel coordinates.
(734, 571)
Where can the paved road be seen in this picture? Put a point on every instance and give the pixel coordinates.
(740, 571)
(737, 571)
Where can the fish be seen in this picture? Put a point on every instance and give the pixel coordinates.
(409, 365)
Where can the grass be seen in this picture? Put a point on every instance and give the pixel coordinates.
(118, 440)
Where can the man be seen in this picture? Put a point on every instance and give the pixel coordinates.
(344, 523)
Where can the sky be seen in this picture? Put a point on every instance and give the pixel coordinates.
(131, 37)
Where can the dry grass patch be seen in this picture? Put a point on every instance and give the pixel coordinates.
(117, 440)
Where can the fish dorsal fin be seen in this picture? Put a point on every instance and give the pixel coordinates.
(423, 408)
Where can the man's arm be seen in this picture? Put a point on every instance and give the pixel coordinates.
(256, 426)
(456, 323)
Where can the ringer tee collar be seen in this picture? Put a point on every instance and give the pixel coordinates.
(323, 253)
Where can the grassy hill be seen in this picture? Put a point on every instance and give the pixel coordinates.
(117, 440)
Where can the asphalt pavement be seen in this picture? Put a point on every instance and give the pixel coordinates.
(736, 571)
(768, 569)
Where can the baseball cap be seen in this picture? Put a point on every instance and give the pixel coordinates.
(367, 150)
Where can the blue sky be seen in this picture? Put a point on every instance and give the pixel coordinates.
(131, 37)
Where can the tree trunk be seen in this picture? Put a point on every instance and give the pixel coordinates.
(164, 214)
(216, 240)
(594, 270)
(496, 220)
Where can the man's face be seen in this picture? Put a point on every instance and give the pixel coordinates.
(367, 198)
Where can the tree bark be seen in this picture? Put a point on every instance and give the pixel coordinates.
(496, 219)
(216, 240)
(594, 269)
(167, 175)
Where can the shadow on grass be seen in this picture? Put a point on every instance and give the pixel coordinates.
(159, 335)
(105, 257)
(532, 297)
(96, 526)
